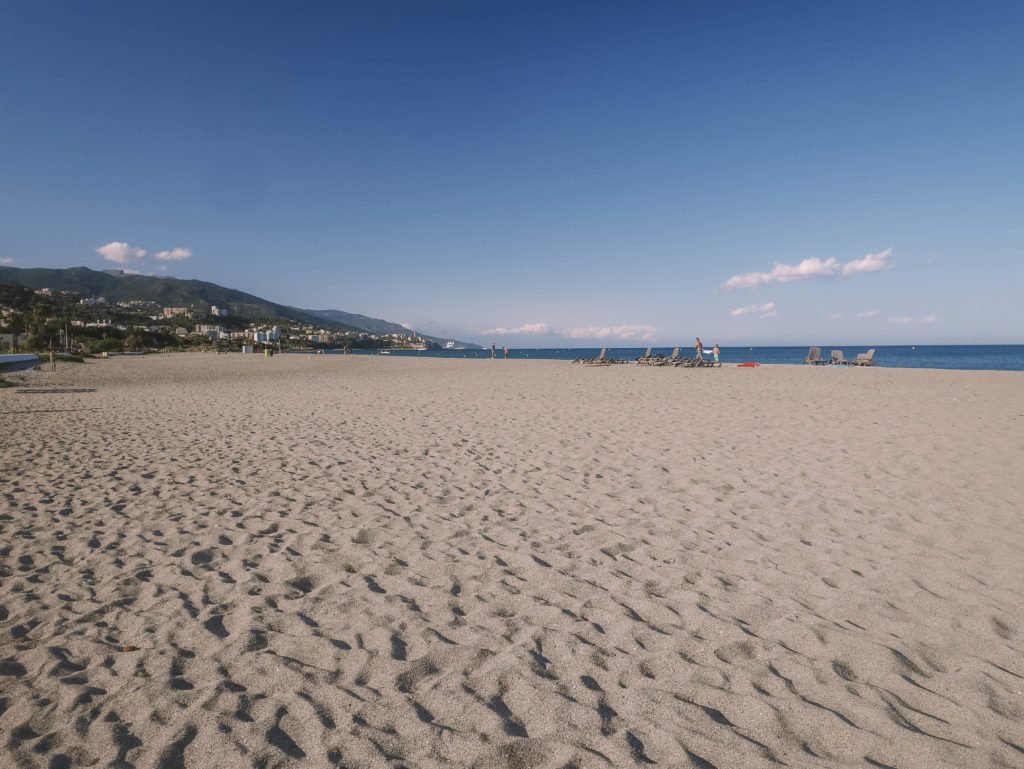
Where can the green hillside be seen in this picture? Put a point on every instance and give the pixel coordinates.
(117, 286)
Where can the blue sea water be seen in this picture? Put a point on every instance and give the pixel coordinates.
(957, 357)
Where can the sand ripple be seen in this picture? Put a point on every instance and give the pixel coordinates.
(350, 562)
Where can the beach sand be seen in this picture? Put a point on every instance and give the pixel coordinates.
(230, 561)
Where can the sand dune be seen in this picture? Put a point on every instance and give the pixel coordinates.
(355, 562)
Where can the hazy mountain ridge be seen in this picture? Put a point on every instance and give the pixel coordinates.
(378, 326)
(117, 286)
(371, 325)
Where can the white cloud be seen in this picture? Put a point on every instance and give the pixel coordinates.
(768, 307)
(528, 328)
(867, 314)
(770, 314)
(903, 320)
(870, 263)
(6, 260)
(811, 268)
(626, 332)
(835, 316)
(174, 255)
(162, 268)
(121, 253)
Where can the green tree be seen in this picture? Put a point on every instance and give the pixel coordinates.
(133, 341)
(108, 344)
(16, 326)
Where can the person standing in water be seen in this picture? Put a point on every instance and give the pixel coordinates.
(504, 351)
(494, 352)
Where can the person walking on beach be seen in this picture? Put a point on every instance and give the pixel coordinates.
(698, 349)
(494, 352)
(716, 352)
(53, 360)
(504, 351)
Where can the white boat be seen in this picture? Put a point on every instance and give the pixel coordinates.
(449, 345)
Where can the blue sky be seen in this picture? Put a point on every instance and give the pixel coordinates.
(536, 174)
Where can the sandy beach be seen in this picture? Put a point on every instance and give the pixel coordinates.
(348, 561)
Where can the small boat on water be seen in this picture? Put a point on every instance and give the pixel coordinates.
(18, 362)
(383, 352)
(449, 345)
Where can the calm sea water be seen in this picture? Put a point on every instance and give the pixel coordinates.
(964, 357)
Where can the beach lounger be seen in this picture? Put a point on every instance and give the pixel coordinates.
(702, 361)
(603, 360)
(671, 360)
(865, 359)
(598, 359)
(838, 359)
(685, 362)
(814, 357)
(648, 358)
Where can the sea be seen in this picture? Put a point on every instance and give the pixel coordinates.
(955, 357)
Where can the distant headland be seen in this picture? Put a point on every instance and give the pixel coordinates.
(84, 310)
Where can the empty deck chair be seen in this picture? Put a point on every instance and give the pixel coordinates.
(814, 357)
(648, 358)
(671, 360)
(865, 358)
(838, 359)
(603, 360)
(600, 357)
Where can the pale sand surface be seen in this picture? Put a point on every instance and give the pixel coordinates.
(367, 562)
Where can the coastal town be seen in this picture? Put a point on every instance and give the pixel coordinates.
(63, 320)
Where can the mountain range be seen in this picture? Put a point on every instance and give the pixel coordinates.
(120, 286)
